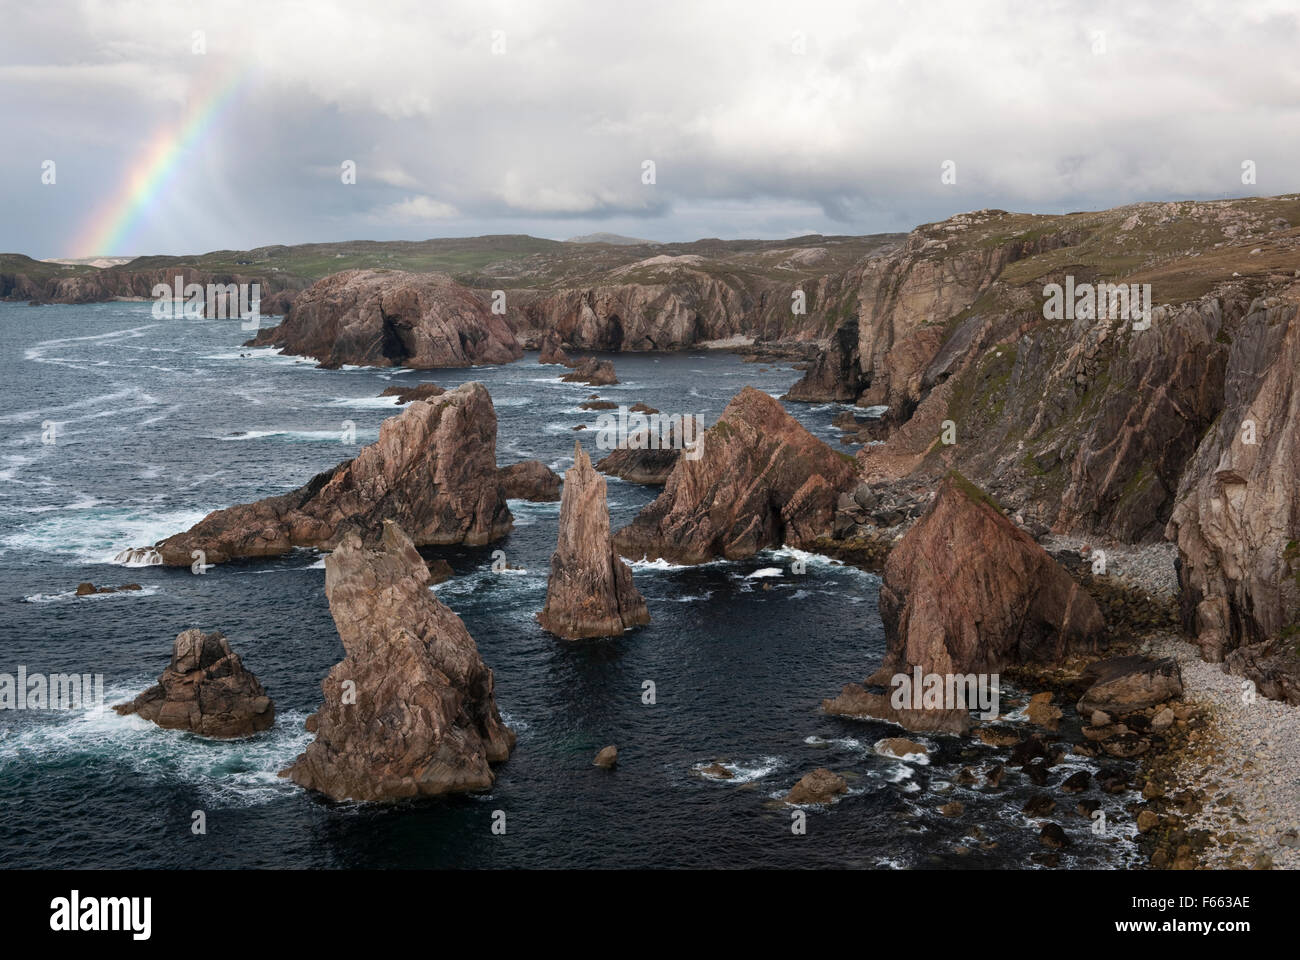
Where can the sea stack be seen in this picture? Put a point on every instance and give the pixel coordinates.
(590, 592)
(410, 710)
(205, 690)
(758, 480)
(433, 470)
(967, 591)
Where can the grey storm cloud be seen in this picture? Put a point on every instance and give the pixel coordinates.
(762, 119)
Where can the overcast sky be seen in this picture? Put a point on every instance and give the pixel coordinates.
(762, 119)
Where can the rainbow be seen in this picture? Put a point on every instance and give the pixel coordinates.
(111, 225)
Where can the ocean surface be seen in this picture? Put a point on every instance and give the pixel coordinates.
(156, 423)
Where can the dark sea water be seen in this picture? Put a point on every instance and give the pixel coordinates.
(160, 422)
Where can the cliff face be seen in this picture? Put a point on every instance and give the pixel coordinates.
(433, 470)
(761, 480)
(411, 709)
(901, 301)
(674, 302)
(1237, 522)
(388, 318)
(590, 591)
(117, 283)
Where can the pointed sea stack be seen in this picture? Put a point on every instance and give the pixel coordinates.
(967, 591)
(410, 710)
(760, 480)
(590, 592)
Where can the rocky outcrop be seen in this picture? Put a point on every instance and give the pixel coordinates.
(589, 370)
(858, 702)
(835, 376)
(530, 480)
(387, 318)
(1237, 523)
(433, 470)
(411, 709)
(820, 786)
(205, 690)
(90, 590)
(966, 591)
(651, 467)
(761, 480)
(590, 591)
(1124, 685)
(405, 394)
(552, 351)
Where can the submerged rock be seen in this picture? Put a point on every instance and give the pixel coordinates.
(411, 709)
(433, 470)
(820, 786)
(761, 480)
(590, 592)
(205, 690)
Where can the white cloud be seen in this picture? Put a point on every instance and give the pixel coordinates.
(417, 209)
(555, 129)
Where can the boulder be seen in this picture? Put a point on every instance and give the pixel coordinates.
(411, 709)
(761, 480)
(205, 690)
(433, 470)
(966, 591)
(900, 747)
(857, 701)
(1123, 685)
(530, 480)
(590, 592)
(820, 786)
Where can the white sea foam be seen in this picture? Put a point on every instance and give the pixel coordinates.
(302, 436)
(365, 403)
(746, 772)
(238, 772)
(98, 535)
